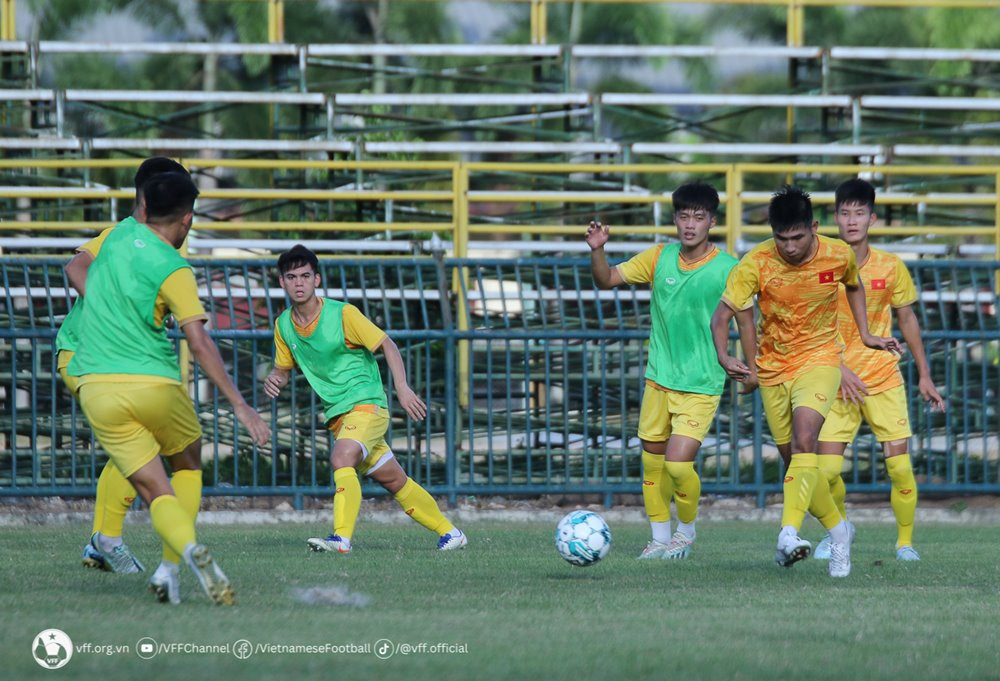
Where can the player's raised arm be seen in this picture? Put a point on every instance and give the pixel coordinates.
(605, 276)
(408, 399)
(859, 310)
(205, 351)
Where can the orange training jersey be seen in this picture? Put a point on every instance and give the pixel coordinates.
(798, 306)
(888, 285)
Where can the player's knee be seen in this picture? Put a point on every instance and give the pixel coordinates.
(188, 458)
(804, 444)
(344, 458)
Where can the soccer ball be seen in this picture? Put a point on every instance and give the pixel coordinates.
(583, 538)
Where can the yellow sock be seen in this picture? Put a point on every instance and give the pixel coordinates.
(420, 506)
(657, 488)
(800, 481)
(830, 466)
(687, 489)
(187, 488)
(346, 501)
(172, 522)
(114, 496)
(903, 497)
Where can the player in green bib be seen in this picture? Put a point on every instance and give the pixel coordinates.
(130, 382)
(106, 549)
(332, 344)
(684, 381)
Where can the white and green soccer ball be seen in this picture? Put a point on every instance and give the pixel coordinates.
(583, 538)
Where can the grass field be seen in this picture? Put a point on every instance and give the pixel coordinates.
(519, 611)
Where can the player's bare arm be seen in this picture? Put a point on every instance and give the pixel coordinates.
(408, 399)
(275, 381)
(859, 310)
(734, 368)
(605, 276)
(205, 351)
(748, 342)
(76, 271)
(909, 326)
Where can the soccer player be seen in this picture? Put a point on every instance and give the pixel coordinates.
(106, 550)
(129, 379)
(795, 276)
(332, 343)
(872, 385)
(683, 379)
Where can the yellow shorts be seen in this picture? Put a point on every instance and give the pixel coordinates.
(135, 422)
(366, 424)
(816, 389)
(666, 412)
(62, 361)
(885, 412)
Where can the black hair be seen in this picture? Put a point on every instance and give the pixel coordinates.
(855, 192)
(157, 165)
(297, 256)
(169, 196)
(694, 196)
(790, 207)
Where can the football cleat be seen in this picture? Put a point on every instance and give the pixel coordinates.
(93, 559)
(791, 549)
(822, 551)
(166, 583)
(215, 584)
(333, 542)
(840, 559)
(679, 547)
(907, 553)
(119, 559)
(654, 549)
(453, 540)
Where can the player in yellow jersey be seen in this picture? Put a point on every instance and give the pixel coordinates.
(684, 382)
(106, 549)
(332, 344)
(872, 384)
(130, 382)
(795, 276)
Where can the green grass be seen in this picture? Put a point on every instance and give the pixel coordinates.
(726, 613)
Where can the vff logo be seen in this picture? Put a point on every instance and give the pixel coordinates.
(52, 649)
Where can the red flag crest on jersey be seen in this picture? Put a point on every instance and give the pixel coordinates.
(878, 284)
(826, 277)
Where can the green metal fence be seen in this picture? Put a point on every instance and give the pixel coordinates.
(532, 377)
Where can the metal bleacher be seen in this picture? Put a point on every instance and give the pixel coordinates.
(453, 218)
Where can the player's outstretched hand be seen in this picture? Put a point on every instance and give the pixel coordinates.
(411, 404)
(735, 369)
(251, 420)
(597, 235)
(878, 343)
(275, 381)
(851, 387)
(931, 395)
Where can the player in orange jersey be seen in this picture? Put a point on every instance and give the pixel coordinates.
(795, 277)
(872, 385)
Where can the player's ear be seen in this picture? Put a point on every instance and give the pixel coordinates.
(815, 227)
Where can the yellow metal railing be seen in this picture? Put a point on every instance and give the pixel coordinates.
(454, 196)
